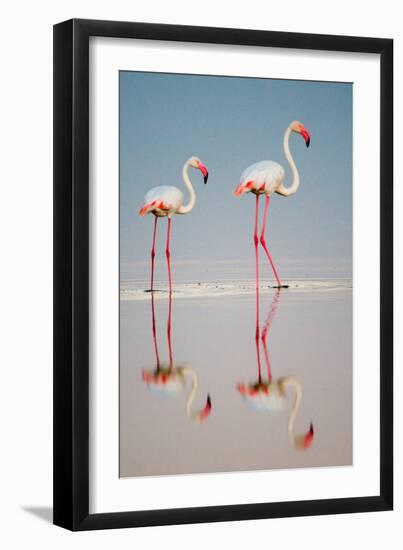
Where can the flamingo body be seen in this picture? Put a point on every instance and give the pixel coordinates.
(262, 177)
(165, 381)
(162, 201)
(266, 398)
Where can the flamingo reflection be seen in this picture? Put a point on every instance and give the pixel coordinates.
(169, 380)
(268, 395)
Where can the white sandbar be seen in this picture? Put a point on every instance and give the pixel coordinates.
(218, 289)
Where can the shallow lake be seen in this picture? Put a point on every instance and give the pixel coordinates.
(309, 338)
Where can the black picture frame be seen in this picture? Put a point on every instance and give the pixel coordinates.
(71, 274)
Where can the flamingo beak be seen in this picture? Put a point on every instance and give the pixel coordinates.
(303, 442)
(206, 410)
(305, 134)
(204, 171)
(309, 437)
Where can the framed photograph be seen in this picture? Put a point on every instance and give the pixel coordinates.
(223, 259)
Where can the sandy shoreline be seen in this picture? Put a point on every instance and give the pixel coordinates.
(231, 288)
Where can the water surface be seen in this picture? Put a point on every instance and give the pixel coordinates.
(309, 338)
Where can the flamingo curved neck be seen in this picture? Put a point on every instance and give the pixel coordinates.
(291, 381)
(287, 191)
(192, 195)
(192, 394)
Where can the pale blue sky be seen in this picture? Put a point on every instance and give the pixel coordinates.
(230, 123)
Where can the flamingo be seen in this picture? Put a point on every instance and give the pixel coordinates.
(269, 396)
(165, 201)
(265, 178)
(170, 380)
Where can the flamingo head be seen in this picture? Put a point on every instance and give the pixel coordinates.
(303, 442)
(299, 128)
(197, 163)
(206, 410)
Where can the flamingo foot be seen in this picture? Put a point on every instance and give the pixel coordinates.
(153, 290)
(280, 286)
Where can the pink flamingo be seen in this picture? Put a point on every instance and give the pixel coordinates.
(267, 177)
(165, 201)
(170, 380)
(269, 396)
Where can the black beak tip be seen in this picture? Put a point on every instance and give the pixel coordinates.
(308, 141)
(205, 178)
(311, 429)
(208, 400)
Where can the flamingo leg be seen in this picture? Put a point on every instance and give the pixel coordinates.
(265, 330)
(256, 243)
(264, 245)
(259, 363)
(155, 332)
(153, 254)
(168, 254)
(266, 354)
(169, 331)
